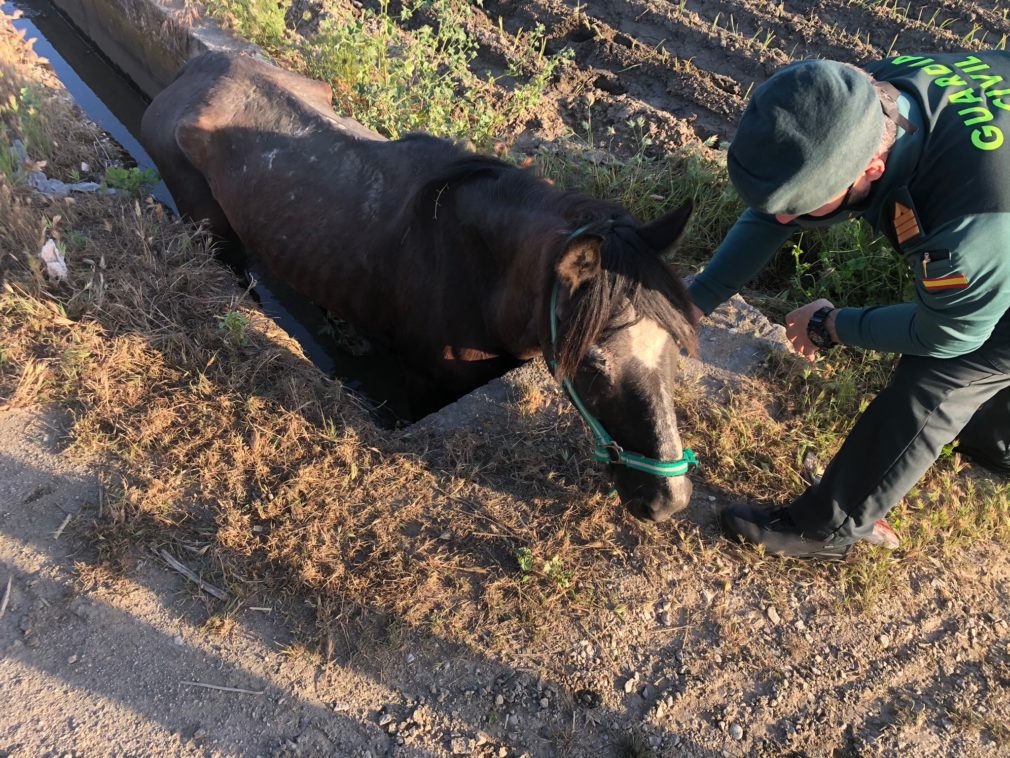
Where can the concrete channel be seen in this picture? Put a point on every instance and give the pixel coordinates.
(149, 39)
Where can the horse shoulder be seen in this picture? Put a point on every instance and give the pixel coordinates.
(194, 136)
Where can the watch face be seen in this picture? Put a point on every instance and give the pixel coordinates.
(817, 331)
(818, 337)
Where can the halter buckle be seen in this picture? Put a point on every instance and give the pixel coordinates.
(614, 451)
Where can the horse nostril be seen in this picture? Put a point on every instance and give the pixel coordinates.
(651, 510)
(661, 507)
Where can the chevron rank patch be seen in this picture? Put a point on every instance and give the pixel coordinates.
(949, 282)
(906, 224)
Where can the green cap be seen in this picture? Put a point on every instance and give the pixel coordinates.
(805, 136)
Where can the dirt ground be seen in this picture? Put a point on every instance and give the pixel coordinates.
(712, 651)
(687, 68)
(95, 665)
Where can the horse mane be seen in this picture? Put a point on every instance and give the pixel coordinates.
(631, 271)
(466, 168)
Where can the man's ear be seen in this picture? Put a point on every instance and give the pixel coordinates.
(876, 169)
(579, 263)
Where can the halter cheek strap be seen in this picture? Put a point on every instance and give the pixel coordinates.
(607, 449)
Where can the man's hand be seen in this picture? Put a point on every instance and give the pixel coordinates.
(796, 327)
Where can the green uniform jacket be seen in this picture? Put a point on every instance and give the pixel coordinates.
(943, 201)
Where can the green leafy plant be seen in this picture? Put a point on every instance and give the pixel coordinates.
(262, 21)
(8, 161)
(524, 558)
(134, 181)
(22, 118)
(234, 325)
(409, 70)
(555, 570)
(848, 263)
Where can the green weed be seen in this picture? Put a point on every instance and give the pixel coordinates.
(396, 81)
(134, 181)
(555, 570)
(21, 118)
(848, 263)
(234, 325)
(524, 559)
(73, 361)
(8, 161)
(262, 21)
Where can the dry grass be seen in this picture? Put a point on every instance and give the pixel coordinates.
(217, 435)
(216, 432)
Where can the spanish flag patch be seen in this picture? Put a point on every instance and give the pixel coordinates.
(952, 282)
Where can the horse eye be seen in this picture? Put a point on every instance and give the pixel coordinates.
(597, 359)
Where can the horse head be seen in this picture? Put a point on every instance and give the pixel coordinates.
(617, 321)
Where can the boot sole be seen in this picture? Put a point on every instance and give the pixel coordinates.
(834, 555)
(824, 554)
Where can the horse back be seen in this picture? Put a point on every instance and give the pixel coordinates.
(323, 201)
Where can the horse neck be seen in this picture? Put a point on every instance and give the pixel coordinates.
(521, 241)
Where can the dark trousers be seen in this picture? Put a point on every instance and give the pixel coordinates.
(928, 403)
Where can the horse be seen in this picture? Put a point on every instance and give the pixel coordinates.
(463, 264)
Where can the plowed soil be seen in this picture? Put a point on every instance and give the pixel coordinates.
(687, 68)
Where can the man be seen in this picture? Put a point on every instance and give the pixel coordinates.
(919, 147)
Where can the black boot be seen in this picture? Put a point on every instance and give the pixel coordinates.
(988, 462)
(775, 529)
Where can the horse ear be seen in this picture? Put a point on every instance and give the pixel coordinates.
(666, 232)
(579, 263)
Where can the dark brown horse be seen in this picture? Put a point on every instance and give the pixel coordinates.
(449, 258)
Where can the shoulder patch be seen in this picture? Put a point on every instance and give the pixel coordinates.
(906, 223)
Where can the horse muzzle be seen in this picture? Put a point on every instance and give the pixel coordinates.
(656, 500)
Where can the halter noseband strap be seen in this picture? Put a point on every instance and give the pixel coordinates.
(607, 449)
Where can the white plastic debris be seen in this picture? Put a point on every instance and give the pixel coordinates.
(41, 183)
(56, 188)
(52, 257)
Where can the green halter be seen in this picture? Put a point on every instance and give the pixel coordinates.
(607, 449)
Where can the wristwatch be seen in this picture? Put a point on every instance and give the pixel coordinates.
(817, 330)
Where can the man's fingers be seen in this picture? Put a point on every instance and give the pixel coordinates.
(802, 345)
